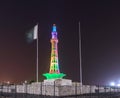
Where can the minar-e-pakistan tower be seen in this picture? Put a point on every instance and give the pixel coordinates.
(54, 71)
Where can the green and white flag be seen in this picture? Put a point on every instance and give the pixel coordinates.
(32, 34)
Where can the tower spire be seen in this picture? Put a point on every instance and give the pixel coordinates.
(54, 71)
(54, 28)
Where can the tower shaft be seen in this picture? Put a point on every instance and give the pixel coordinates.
(54, 67)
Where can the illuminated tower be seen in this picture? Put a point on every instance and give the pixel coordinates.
(54, 71)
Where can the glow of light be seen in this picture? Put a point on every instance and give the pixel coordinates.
(112, 84)
(54, 28)
(8, 82)
(118, 85)
(25, 81)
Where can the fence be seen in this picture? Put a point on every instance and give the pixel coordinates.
(74, 91)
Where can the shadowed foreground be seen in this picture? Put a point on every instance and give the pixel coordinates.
(95, 95)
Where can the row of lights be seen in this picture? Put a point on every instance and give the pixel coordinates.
(115, 84)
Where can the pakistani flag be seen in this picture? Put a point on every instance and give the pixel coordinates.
(32, 34)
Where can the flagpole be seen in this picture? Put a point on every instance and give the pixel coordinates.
(80, 54)
(37, 59)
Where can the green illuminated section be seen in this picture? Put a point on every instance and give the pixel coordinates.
(54, 75)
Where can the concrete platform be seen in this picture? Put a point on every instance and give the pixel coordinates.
(58, 82)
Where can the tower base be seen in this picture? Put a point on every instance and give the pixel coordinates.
(58, 82)
(54, 75)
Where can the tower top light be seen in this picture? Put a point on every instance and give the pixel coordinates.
(54, 28)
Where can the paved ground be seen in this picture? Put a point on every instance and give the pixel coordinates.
(100, 95)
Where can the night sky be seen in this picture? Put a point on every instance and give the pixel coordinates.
(100, 31)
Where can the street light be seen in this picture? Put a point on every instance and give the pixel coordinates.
(8, 82)
(112, 84)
